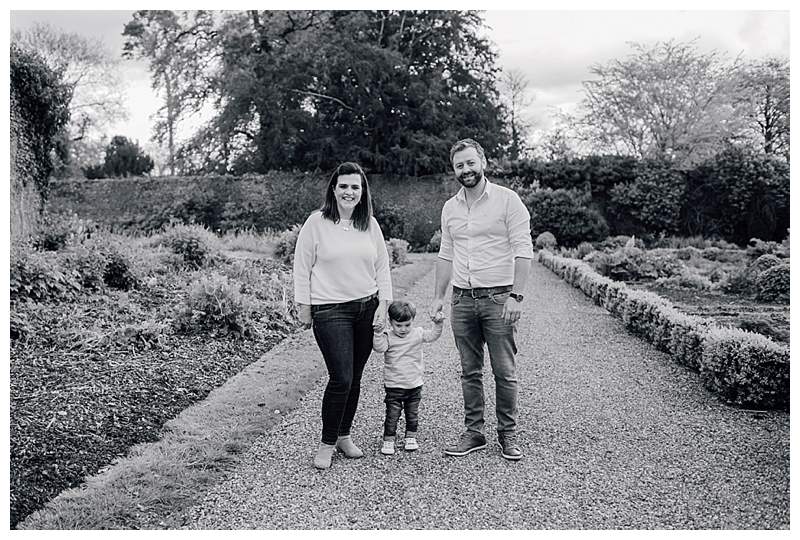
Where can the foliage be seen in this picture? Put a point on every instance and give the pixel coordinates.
(59, 230)
(738, 195)
(763, 90)
(398, 251)
(666, 101)
(194, 243)
(390, 89)
(287, 242)
(772, 285)
(516, 98)
(747, 369)
(651, 203)
(545, 240)
(93, 76)
(213, 303)
(392, 219)
(758, 248)
(565, 213)
(40, 277)
(40, 99)
(435, 242)
(123, 158)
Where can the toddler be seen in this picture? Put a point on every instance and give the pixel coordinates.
(401, 346)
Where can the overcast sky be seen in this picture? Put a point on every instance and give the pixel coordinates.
(554, 49)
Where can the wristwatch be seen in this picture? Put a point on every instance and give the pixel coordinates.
(517, 297)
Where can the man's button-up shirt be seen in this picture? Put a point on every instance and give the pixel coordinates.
(482, 241)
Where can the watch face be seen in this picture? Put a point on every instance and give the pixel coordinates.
(517, 297)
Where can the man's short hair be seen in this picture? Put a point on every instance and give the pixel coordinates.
(402, 311)
(467, 143)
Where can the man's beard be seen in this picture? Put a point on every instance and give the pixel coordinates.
(471, 180)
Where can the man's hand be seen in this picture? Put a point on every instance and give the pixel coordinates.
(435, 310)
(512, 311)
(304, 314)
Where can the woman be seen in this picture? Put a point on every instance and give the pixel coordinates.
(342, 286)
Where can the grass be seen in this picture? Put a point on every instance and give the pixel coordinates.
(153, 485)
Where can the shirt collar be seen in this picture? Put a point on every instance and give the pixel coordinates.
(461, 195)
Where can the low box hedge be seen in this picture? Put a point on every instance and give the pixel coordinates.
(745, 368)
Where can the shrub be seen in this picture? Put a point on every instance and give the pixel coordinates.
(392, 220)
(688, 252)
(584, 248)
(119, 273)
(287, 241)
(747, 369)
(765, 327)
(89, 264)
(546, 240)
(772, 285)
(741, 281)
(565, 213)
(686, 280)
(398, 251)
(214, 304)
(196, 244)
(56, 231)
(435, 242)
(41, 277)
(764, 262)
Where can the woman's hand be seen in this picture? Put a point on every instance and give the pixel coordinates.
(379, 320)
(304, 314)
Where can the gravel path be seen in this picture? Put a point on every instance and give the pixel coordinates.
(615, 435)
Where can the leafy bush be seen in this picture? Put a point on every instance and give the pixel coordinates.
(123, 158)
(741, 281)
(651, 203)
(756, 248)
(40, 277)
(772, 285)
(287, 241)
(213, 303)
(686, 280)
(435, 242)
(196, 244)
(747, 369)
(392, 220)
(686, 253)
(764, 262)
(566, 214)
(89, 264)
(119, 271)
(398, 251)
(56, 231)
(765, 327)
(545, 240)
(612, 243)
(584, 248)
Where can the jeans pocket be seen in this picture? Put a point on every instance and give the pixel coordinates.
(455, 300)
(499, 298)
(322, 310)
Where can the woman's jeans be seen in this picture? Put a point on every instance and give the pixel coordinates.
(401, 400)
(477, 321)
(344, 335)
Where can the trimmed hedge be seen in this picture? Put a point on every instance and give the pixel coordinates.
(747, 369)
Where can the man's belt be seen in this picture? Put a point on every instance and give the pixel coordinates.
(481, 292)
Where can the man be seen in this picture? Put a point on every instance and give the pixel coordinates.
(486, 249)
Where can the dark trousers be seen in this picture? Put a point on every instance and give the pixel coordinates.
(401, 400)
(344, 335)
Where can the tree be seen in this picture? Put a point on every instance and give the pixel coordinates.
(125, 158)
(515, 94)
(93, 76)
(665, 102)
(40, 111)
(307, 89)
(763, 90)
(178, 46)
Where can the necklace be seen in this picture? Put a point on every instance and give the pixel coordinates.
(346, 224)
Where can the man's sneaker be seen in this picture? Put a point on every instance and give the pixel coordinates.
(469, 442)
(388, 448)
(410, 444)
(509, 448)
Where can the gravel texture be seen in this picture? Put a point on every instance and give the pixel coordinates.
(615, 436)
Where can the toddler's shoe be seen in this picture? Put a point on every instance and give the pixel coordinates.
(388, 448)
(410, 444)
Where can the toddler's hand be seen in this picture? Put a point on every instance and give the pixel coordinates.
(438, 317)
(377, 327)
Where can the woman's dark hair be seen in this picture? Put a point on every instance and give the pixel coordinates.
(362, 213)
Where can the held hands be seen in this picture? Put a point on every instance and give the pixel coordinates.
(512, 311)
(379, 320)
(304, 314)
(435, 311)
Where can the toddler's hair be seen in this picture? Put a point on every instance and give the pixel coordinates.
(402, 311)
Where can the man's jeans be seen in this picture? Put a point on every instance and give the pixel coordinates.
(477, 321)
(344, 335)
(401, 400)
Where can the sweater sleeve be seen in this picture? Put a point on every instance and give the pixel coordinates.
(429, 335)
(382, 268)
(380, 342)
(304, 254)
